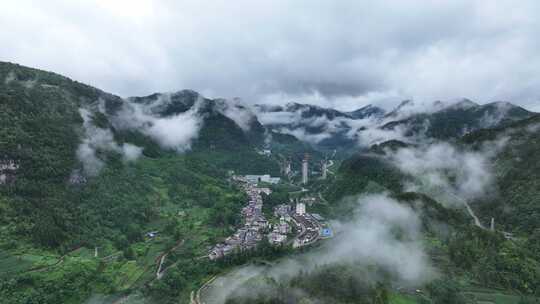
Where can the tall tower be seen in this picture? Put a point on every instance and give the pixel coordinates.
(305, 169)
(323, 169)
(287, 169)
(300, 208)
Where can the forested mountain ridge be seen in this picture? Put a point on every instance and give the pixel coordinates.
(512, 199)
(329, 129)
(515, 206)
(324, 128)
(57, 135)
(456, 120)
(82, 169)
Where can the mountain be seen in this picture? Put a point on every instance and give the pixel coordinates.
(514, 206)
(85, 175)
(454, 120)
(460, 247)
(509, 150)
(366, 112)
(364, 173)
(399, 110)
(99, 193)
(326, 129)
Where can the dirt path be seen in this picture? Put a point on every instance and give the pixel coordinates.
(161, 259)
(196, 296)
(58, 262)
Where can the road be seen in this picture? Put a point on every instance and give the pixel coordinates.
(58, 262)
(195, 297)
(507, 235)
(469, 210)
(309, 233)
(161, 259)
(471, 213)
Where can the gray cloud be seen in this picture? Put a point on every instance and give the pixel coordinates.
(343, 54)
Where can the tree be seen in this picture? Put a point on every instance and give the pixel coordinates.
(129, 253)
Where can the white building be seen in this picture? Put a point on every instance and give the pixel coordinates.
(276, 238)
(266, 178)
(266, 191)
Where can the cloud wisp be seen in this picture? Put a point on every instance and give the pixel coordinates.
(96, 140)
(175, 132)
(451, 174)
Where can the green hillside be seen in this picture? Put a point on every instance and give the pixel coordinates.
(467, 255)
(53, 216)
(364, 173)
(69, 234)
(456, 120)
(516, 205)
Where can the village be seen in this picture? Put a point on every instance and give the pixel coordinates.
(291, 223)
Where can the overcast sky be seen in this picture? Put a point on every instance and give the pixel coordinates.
(343, 54)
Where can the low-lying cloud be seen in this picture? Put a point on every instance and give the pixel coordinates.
(97, 139)
(174, 132)
(236, 110)
(450, 173)
(443, 165)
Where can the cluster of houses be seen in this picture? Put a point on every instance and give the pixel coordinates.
(278, 236)
(252, 232)
(309, 227)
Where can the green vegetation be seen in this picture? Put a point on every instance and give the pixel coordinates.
(452, 122)
(65, 237)
(119, 206)
(496, 262)
(469, 256)
(334, 283)
(515, 206)
(364, 173)
(51, 226)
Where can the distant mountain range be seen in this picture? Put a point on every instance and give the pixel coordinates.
(327, 128)
(455, 120)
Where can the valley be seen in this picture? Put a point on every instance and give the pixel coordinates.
(179, 198)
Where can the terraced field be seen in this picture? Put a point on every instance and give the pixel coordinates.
(487, 296)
